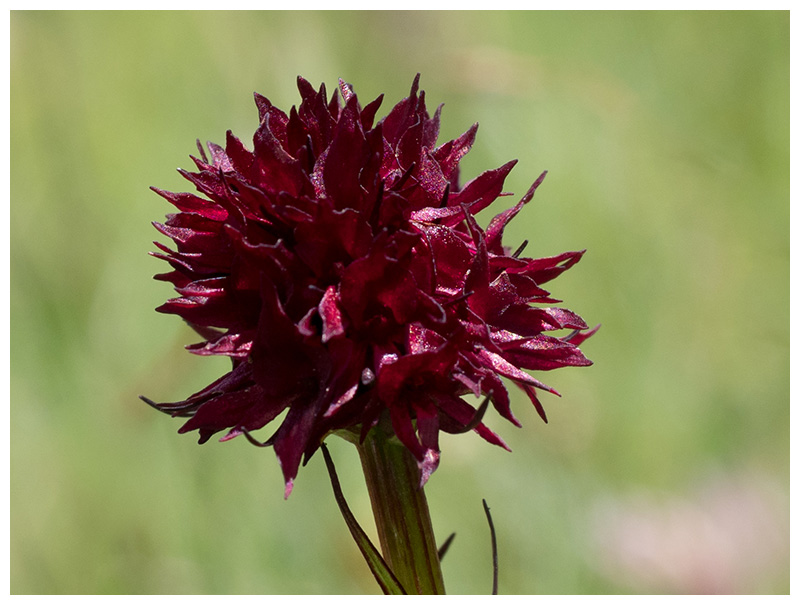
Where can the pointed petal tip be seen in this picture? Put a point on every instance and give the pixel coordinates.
(428, 464)
(149, 402)
(346, 90)
(515, 421)
(288, 489)
(503, 444)
(230, 435)
(532, 190)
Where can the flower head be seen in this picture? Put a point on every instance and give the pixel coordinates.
(339, 265)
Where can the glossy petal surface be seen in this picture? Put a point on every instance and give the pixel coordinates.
(339, 265)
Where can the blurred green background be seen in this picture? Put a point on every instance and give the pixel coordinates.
(664, 467)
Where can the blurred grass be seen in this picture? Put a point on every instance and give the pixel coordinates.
(666, 137)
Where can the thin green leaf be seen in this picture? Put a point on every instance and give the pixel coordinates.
(494, 547)
(477, 418)
(386, 579)
(444, 547)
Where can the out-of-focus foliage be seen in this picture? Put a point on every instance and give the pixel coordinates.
(666, 138)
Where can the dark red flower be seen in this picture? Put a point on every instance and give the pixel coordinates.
(339, 265)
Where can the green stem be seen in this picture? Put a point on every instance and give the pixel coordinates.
(401, 513)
